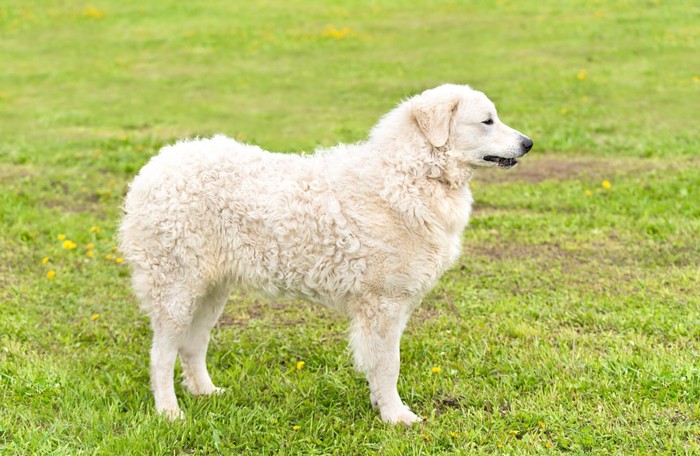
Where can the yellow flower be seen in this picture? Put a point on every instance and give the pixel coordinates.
(108, 257)
(44, 260)
(90, 246)
(94, 229)
(337, 34)
(454, 434)
(114, 249)
(61, 237)
(513, 432)
(581, 75)
(436, 370)
(541, 424)
(300, 364)
(548, 445)
(94, 316)
(50, 275)
(588, 193)
(91, 11)
(296, 428)
(69, 245)
(119, 260)
(606, 185)
(90, 254)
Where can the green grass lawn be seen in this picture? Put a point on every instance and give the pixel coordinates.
(571, 324)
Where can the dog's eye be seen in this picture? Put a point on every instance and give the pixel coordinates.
(487, 122)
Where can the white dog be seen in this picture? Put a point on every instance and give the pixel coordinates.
(366, 229)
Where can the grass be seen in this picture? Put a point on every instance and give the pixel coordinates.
(571, 324)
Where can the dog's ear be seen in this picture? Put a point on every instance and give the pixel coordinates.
(434, 116)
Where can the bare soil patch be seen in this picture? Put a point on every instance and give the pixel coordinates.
(538, 168)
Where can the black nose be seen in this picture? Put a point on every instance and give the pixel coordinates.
(527, 144)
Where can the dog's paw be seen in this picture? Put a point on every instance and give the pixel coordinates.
(401, 416)
(201, 389)
(172, 415)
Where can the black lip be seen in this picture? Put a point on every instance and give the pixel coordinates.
(501, 161)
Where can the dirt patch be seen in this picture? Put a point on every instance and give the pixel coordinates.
(505, 251)
(241, 312)
(550, 166)
(10, 173)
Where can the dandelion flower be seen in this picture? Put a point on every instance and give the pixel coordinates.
(606, 185)
(90, 254)
(90, 246)
(436, 370)
(61, 237)
(50, 275)
(108, 257)
(548, 445)
(92, 12)
(94, 229)
(300, 364)
(582, 75)
(94, 316)
(44, 260)
(541, 424)
(513, 432)
(69, 245)
(588, 193)
(119, 260)
(114, 249)
(296, 428)
(338, 34)
(454, 434)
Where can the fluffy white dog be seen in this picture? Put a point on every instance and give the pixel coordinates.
(366, 229)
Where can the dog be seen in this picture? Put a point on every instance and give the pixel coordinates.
(366, 229)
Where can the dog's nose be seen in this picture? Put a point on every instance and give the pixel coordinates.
(527, 144)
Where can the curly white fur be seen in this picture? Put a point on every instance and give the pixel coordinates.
(366, 229)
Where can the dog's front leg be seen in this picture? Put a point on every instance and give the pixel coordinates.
(375, 338)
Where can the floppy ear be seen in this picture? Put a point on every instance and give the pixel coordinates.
(433, 117)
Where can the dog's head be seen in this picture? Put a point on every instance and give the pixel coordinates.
(464, 121)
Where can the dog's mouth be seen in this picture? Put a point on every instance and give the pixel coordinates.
(501, 161)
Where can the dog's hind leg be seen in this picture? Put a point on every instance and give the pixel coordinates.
(193, 347)
(375, 337)
(171, 310)
(166, 339)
